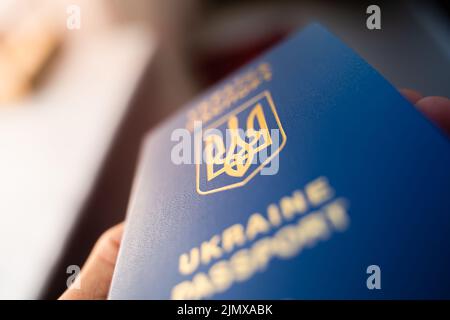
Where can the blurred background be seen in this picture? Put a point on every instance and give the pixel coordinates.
(82, 81)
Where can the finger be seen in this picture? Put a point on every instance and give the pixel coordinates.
(437, 109)
(412, 95)
(96, 275)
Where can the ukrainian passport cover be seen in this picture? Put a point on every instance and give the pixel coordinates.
(304, 175)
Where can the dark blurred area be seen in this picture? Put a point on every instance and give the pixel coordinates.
(194, 44)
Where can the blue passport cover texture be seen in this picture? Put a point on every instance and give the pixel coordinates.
(351, 200)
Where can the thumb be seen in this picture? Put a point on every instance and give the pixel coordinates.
(95, 277)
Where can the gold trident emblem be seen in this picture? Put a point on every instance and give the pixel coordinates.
(240, 154)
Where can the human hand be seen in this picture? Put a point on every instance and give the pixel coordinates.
(95, 277)
(437, 109)
(96, 274)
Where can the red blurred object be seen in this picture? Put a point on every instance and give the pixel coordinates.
(215, 65)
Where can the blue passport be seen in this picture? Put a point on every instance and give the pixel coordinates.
(304, 175)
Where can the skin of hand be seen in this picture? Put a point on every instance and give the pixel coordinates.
(96, 275)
